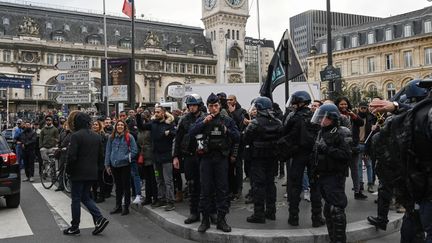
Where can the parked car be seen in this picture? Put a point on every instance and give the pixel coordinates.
(8, 135)
(10, 176)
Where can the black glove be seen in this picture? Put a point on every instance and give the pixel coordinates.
(322, 146)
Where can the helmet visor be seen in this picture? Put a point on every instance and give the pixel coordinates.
(319, 116)
(289, 102)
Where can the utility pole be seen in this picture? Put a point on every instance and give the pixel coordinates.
(106, 64)
(259, 46)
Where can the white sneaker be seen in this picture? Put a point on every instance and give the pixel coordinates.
(31, 179)
(137, 200)
(306, 195)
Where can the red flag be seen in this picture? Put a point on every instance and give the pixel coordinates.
(127, 8)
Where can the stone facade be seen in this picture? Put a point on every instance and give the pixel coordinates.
(379, 57)
(33, 39)
(225, 25)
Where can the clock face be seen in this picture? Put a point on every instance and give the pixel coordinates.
(209, 4)
(235, 3)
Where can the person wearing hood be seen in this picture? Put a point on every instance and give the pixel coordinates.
(162, 131)
(84, 155)
(28, 143)
(262, 134)
(240, 116)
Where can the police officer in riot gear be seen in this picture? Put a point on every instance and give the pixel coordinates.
(185, 147)
(297, 143)
(220, 136)
(262, 134)
(389, 166)
(332, 153)
(410, 129)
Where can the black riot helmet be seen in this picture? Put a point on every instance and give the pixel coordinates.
(193, 99)
(263, 103)
(411, 93)
(326, 111)
(299, 97)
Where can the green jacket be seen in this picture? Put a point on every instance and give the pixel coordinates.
(49, 137)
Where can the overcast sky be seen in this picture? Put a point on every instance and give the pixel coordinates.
(275, 14)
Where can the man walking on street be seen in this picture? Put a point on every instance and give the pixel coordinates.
(84, 154)
(48, 138)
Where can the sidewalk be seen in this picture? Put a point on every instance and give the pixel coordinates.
(275, 231)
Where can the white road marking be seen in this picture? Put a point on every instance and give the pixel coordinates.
(13, 223)
(62, 205)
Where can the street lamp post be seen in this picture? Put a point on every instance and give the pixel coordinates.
(329, 49)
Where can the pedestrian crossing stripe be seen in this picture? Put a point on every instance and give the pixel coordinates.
(61, 204)
(16, 224)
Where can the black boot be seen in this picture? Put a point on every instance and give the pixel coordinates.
(194, 217)
(205, 224)
(116, 210)
(256, 219)
(222, 224)
(317, 221)
(339, 222)
(213, 218)
(379, 222)
(293, 219)
(270, 215)
(125, 210)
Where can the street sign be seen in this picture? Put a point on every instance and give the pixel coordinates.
(19, 83)
(73, 65)
(330, 73)
(73, 77)
(73, 99)
(80, 88)
(176, 91)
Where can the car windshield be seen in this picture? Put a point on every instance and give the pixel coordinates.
(4, 148)
(7, 133)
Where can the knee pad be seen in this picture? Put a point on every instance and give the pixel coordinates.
(338, 215)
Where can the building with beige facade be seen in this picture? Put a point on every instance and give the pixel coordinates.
(378, 57)
(34, 38)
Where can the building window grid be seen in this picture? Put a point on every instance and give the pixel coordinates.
(371, 38)
(407, 30)
(389, 34)
(202, 69)
(168, 67)
(389, 61)
(354, 67)
(408, 59)
(354, 41)
(428, 26)
(195, 69)
(371, 64)
(50, 59)
(152, 91)
(391, 90)
(428, 56)
(175, 68)
(7, 56)
(182, 68)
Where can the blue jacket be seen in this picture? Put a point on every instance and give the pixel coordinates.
(117, 151)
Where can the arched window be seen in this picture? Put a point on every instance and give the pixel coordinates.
(391, 90)
(228, 34)
(238, 35)
(233, 34)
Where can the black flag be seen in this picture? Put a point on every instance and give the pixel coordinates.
(284, 60)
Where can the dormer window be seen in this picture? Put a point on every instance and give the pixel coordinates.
(371, 38)
(428, 26)
(100, 31)
(164, 37)
(388, 35)
(84, 29)
(324, 48)
(200, 50)
(407, 30)
(354, 41)
(48, 26)
(6, 21)
(94, 40)
(58, 38)
(117, 33)
(66, 27)
(174, 47)
(125, 43)
(192, 41)
(339, 45)
(179, 39)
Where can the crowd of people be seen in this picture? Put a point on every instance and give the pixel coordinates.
(219, 145)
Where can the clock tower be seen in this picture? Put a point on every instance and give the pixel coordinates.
(225, 25)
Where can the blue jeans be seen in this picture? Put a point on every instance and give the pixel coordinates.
(136, 178)
(305, 180)
(368, 164)
(81, 193)
(19, 154)
(425, 212)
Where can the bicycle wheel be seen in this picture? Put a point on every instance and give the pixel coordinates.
(67, 182)
(48, 177)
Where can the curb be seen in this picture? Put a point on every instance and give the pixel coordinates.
(173, 222)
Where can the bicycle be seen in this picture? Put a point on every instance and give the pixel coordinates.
(50, 175)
